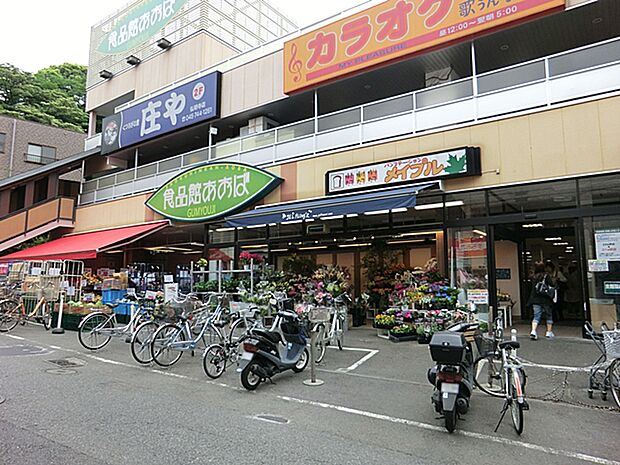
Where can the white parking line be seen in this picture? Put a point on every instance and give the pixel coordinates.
(429, 427)
(562, 368)
(361, 361)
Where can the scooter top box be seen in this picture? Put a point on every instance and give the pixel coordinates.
(448, 347)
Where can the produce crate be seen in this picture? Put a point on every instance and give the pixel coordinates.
(111, 296)
(70, 321)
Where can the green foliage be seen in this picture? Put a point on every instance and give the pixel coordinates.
(297, 265)
(55, 95)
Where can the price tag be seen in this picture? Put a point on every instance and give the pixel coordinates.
(150, 295)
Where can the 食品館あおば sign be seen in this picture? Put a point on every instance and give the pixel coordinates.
(212, 191)
(442, 165)
(183, 106)
(139, 25)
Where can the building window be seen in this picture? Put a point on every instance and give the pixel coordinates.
(18, 199)
(40, 190)
(2, 141)
(40, 154)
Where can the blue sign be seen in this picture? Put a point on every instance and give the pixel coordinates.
(192, 103)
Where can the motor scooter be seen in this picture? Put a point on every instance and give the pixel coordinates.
(266, 353)
(454, 352)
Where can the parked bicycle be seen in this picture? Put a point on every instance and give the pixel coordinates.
(97, 329)
(142, 337)
(332, 332)
(13, 310)
(170, 341)
(499, 373)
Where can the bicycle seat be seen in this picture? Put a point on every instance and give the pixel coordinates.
(509, 345)
(272, 336)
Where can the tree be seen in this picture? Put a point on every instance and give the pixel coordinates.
(55, 95)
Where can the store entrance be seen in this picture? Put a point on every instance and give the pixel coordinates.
(518, 248)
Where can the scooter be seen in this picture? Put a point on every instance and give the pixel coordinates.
(453, 374)
(269, 352)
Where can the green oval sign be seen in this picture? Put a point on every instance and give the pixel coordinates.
(139, 25)
(212, 191)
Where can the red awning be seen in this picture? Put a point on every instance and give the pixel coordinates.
(85, 246)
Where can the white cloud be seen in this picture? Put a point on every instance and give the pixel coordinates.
(41, 33)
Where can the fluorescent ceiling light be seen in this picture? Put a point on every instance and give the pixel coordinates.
(224, 229)
(279, 250)
(316, 247)
(376, 212)
(114, 251)
(434, 206)
(425, 233)
(335, 217)
(354, 245)
(261, 246)
(480, 233)
(256, 226)
(413, 241)
(400, 210)
(551, 239)
(533, 225)
(352, 215)
(557, 244)
(292, 222)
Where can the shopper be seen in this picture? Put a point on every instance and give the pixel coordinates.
(541, 299)
(572, 296)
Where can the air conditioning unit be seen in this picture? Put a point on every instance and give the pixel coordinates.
(256, 125)
(319, 228)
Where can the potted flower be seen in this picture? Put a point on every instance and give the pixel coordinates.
(403, 333)
(246, 259)
(203, 263)
(424, 333)
(384, 323)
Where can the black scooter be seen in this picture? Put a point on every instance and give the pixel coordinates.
(269, 352)
(453, 374)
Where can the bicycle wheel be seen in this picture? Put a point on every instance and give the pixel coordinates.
(46, 316)
(488, 375)
(162, 353)
(516, 407)
(340, 333)
(141, 342)
(319, 344)
(214, 361)
(89, 332)
(238, 329)
(9, 315)
(614, 380)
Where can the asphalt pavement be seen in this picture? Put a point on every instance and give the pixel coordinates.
(65, 405)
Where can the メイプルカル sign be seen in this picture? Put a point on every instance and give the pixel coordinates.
(212, 191)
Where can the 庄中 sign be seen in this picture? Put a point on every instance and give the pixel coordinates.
(453, 163)
(191, 103)
(212, 191)
(394, 29)
(139, 25)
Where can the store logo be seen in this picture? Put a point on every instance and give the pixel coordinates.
(110, 133)
(212, 191)
(199, 91)
(139, 25)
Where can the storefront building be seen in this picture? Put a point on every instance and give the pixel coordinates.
(478, 134)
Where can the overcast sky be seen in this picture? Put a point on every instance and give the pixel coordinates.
(38, 33)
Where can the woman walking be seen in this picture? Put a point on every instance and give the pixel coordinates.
(541, 300)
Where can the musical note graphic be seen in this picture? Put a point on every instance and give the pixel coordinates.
(295, 65)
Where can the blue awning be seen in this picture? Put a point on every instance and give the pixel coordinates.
(368, 203)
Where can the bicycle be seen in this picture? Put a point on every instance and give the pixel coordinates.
(332, 332)
(612, 348)
(171, 340)
(13, 311)
(505, 370)
(142, 337)
(104, 326)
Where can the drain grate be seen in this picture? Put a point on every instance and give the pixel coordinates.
(68, 362)
(60, 371)
(272, 419)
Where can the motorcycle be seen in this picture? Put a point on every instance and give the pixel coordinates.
(453, 375)
(269, 352)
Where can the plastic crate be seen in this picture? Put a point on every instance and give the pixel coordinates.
(123, 308)
(111, 296)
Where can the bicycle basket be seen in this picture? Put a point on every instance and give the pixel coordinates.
(320, 314)
(486, 346)
(612, 343)
(243, 309)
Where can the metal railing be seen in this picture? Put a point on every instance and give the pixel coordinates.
(537, 84)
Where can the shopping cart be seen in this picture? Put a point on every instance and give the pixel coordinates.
(599, 371)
